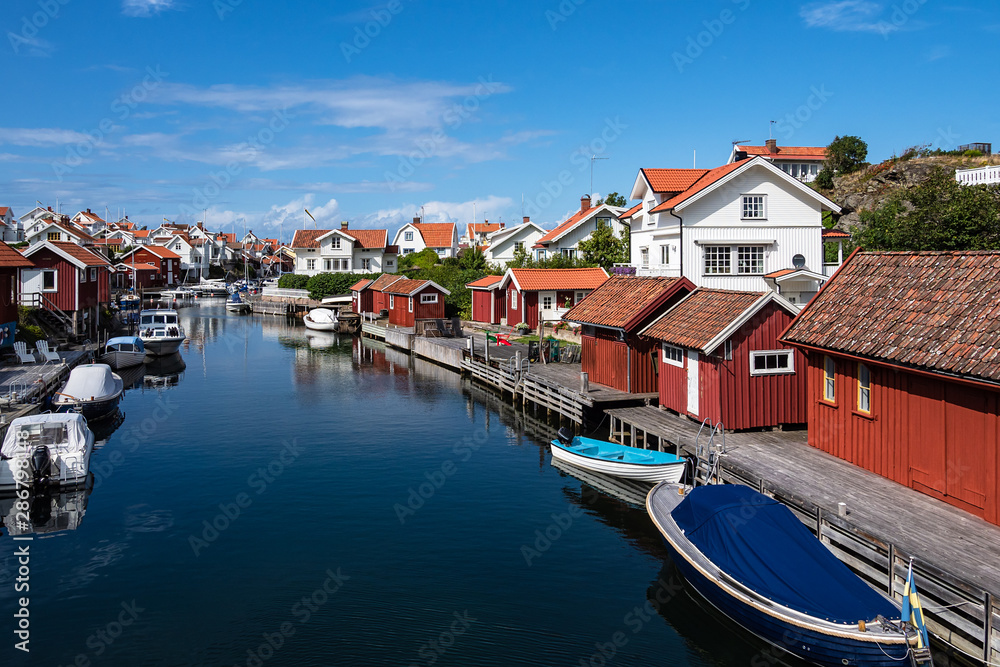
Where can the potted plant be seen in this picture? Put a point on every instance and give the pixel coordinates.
(522, 328)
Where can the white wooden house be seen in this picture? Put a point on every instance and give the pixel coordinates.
(505, 242)
(343, 250)
(565, 238)
(414, 236)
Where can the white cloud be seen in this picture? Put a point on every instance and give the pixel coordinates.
(21, 136)
(32, 46)
(146, 8)
(845, 16)
(938, 52)
(491, 208)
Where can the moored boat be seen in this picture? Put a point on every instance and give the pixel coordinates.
(122, 352)
(160, 331)
(617, 460)
(47, 450)
(92, 390)
(236, 304)
(321, 319)
(753, 560)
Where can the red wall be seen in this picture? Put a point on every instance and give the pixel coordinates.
(398, 307)
(482, 306)
(672, 386)
(934, 435)
(606, 360)
(8, 305)
(363, 301)
(67, 279)
(401, 316)
(144, 256)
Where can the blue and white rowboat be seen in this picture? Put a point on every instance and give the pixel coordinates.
(617, 460)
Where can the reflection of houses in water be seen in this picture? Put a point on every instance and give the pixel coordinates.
(49, 512)
(164, 371)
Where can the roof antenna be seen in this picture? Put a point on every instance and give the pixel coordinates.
(592, 158)
(769, 128)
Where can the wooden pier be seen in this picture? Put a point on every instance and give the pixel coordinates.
(881, 526)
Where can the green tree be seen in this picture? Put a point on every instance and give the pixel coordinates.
(424, 259)
(605, 249)
(846, 154)
(613, 199)
(472, 258)
(521, 258)
(824, 179)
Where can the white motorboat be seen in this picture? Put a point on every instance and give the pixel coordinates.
(122, 352)
(47, 450)
(92, 390)
(321, 319)
(160, 331)
(236, 304)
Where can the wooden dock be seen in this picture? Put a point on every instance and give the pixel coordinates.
(884, 526)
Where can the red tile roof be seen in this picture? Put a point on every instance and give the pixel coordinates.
(935, 311)
(12, 259)
(406, 286)
(780, 273)
(161, 251)
(436, 234)
(800, 152)
(307, 238)
(529, 280)
(4, 209)
(707, 179)
(672, 180)
(360, 285)
(383, 281)
(632, 211)
(81, 254)
(369, 238)
(564, 227)
(835, 234)
(143, 267)
(140, 233)
(482, 228)
(624, 302)
(488, 281)
(702, 316)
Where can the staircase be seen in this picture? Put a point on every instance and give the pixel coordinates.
(53, 320)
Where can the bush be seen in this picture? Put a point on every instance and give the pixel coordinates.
(846, 154)
(424, 259)
(331, 284)
(293, 281)
(972, 152)
(824, 180)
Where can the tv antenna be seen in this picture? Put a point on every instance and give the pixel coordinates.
(592, 158)
(769, 128)
(740, 141)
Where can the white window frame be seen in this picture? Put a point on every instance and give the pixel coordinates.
(664, 255)
(714, 254)
(727, 350)
(328, 265)
(751, 252)
(518, 245)
(429, 298)
(579, 297)
(672, 355)
(757, 209)
(335, 243)
(55, 280)
(513, 299)
(548, 301)
(644, 257)
(829, 379)
(392, 302)
(409, 301)
(788, 369)
(864, 389)
(407, 251)
(310, 265)
(93, 274)
(407, 236)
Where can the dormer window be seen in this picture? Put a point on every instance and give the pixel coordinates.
(335, 243)
(407, 236)
(753, 207)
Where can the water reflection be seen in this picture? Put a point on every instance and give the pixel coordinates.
(50, 511)
(103, 428)
(164, 371)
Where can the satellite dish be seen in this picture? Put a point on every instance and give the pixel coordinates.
(798, 261)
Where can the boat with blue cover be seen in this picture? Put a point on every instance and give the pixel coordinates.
(617, 460)
(236, 304)
(751, 558)
(122, 352)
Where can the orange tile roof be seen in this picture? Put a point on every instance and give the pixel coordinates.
(780, 273)
(436, 234)
(406, 286)
(935, 311)
(139, 233)
(702, 316)
(708, 178)
(369, 238)
(625, 302)
(74, 230)
(12, 259)
(4, 209)
(230, 238)
(307, 238)
(488, 281)
(384, 281)
(564, 227)
(632, 211)
(835, 234)
(143, 267)
(530, 280)
(482, 228)
(161, 251)
(672, 180)
(92, 216)
(81, 254)
(361, 284)
(800, 152)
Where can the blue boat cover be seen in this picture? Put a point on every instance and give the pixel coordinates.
(759, 542)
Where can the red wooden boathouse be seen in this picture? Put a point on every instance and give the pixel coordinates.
(548, 293)
(489, 305)
(412, 300)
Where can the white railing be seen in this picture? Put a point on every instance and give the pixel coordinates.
(979, 176)
(657, 270)
(286, 293)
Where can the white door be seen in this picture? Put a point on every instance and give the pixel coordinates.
(692, 364)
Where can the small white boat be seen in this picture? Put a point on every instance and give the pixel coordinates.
(122, 352)
(236, 304)
(178, 294)
(617, 460)
(160, 331)
(48, 450)
(92, 390)
(321, 319)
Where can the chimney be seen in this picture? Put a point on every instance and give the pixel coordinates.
(502, 225)
(343, 224)
(584, 203)
(526, 219)
(416, 220)
(50, 208)
(88, 210)
(772, 146)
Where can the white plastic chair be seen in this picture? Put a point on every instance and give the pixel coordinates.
(46, 354)
(21, 349)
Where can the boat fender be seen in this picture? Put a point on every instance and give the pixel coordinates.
(41, 465)
(565, 435)
(862, 626)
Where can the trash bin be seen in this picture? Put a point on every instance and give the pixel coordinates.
(532, 351)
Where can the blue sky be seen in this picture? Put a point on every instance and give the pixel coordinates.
(366, 112)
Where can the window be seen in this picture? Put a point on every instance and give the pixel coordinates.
(579, 297)
(392, 302)
(513, 299)
(753, 205)
(750, 259)
(53, 236)
(829, 383)
(177, 246)
(93, 275)
(49, 280)
(644, 257)
(409, 302)
(407, 236)
(794, 171)
(83, 275)
(772, 362)
(727, 350)
(429, 298)
(366, 264)
(717, 260)
(547, 302)
(335, 243)
(673, 355)
(310, 265)
(864, 389)
(388, 263)
(603, 222)
(407, 251)
(664, 255)
(518, 245)
(569, 252)
(327, 265)
(813, 169)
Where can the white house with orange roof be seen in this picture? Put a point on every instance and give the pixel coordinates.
(10, 227)
(565, 238)
(801, 162)
(89, 221)
(733, 227)
(193, 259)
(442, 237)
(343, 250)
(477, 233)
(56, 228)
(503, 244)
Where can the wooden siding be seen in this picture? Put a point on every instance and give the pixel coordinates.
(8, 297)
(609, 358)
(934, 435)
(673, 386)
(425, 311)
(67, 279)
(482, 306)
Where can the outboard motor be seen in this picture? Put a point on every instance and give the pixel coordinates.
(565, 435)
(690, 469)
(41, 465)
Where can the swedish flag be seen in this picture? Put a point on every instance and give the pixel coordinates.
(913, 613)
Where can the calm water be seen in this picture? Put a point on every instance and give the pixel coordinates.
(293, 499)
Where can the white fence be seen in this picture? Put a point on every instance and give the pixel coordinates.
(980, 176)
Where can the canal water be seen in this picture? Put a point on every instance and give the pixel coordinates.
(282, 497)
